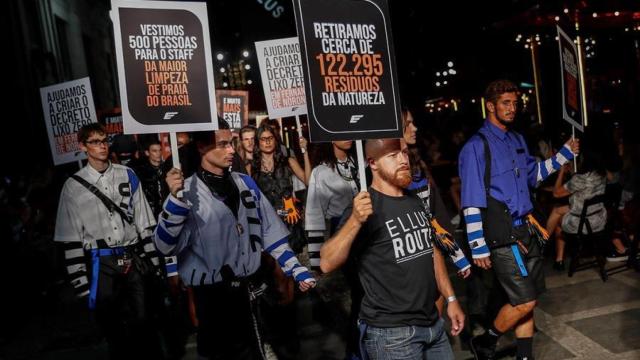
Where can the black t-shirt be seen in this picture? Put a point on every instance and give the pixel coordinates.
(393, 253)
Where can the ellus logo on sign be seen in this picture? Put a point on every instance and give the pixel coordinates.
(349, 68)
(355, 118)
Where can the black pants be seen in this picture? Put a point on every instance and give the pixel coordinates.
(226, 327)
(121, 311)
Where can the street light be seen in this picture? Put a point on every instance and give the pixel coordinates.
(245, 53)
(247, 67)
(220, 56)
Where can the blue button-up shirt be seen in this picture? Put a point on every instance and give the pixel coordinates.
(513, 170)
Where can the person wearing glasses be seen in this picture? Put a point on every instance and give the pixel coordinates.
(105, 224)
(219, 228)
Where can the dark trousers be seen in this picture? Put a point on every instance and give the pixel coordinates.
(226, 326)
(121, 312)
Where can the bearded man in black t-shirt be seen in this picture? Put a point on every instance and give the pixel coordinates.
(388, 236)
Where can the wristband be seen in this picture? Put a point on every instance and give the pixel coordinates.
(451, 299)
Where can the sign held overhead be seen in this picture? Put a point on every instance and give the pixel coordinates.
(164, 66)
(349, 69)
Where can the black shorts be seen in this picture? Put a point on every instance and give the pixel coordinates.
(518, 288)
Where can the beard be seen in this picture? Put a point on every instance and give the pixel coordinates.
(400, 178)
(505, 122)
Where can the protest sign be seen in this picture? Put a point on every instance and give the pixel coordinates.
(233, 107)
(349, 69)
(67, 107)
(570, 75)
(282, 80)
(164, 66)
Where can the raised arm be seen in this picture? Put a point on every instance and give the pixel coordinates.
(170, 235)
(539, 171)
(335, 251)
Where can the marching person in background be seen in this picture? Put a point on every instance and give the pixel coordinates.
(104, 221)
(246, 145)
(388, 235)
(173, 318)
(332, 186)
(497, 172)
(273, 173)
(219, 229)
(425, 188)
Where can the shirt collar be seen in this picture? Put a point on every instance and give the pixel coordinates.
(501, 134)
(94, 175)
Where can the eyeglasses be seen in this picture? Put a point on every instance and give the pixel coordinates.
(267, 139)
(97, 142)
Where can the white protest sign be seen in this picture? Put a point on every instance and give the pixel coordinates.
(67, 107)
(282, 79)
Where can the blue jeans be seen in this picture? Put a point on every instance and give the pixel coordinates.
(408, 342)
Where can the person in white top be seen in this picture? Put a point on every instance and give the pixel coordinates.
(105, 221)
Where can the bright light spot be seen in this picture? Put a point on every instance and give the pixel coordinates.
(595, 15)
(453, 72)
(526, 46)
(245, 53)
(518, 39)
(219, 56)
(473, 101)
(556, 38)
(450, 64)
(445, 82)
(617, 13)
(593, 41)
(224, 84)
(438, 73)
(444, 73)
(222, 69)
(446, 105)
(249, 81)
(438, 83)
(557, 18)
(247, 67)
(566, 11)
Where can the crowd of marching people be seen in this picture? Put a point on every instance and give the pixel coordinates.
(226, 245)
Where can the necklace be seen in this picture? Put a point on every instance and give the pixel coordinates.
(344, 169)
(266, 165)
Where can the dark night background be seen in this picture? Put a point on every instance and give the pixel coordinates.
(52, 41)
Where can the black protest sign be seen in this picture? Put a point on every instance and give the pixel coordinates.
(570, 73)
(164, 66)
(233, 107)
(350, 71)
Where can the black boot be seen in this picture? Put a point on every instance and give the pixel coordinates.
(483, 347)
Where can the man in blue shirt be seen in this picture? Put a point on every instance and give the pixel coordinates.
(496, 172)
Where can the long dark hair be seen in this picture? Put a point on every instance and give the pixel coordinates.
(278, 158)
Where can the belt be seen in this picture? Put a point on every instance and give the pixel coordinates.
(95, 265)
